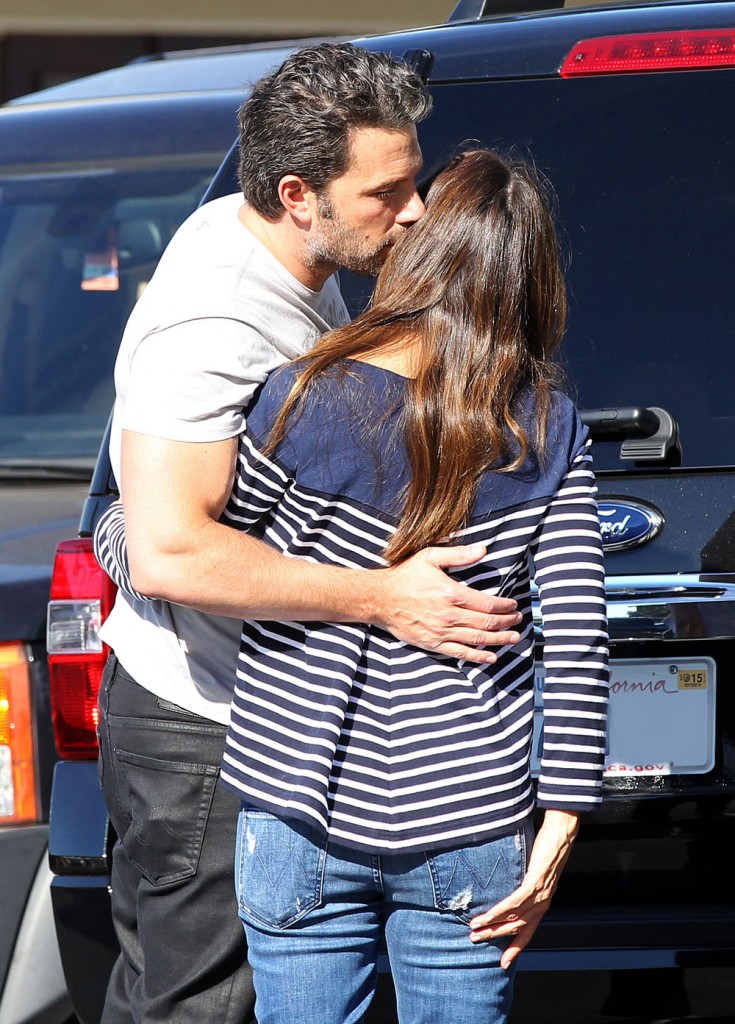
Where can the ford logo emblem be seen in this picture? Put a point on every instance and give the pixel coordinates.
(627, 524)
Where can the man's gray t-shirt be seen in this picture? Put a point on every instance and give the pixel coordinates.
(218, 315)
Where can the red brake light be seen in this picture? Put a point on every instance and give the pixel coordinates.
(651, 51)
(81, 598)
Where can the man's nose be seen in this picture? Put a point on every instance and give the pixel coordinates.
(412, 211)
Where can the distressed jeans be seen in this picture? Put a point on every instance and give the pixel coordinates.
(315, 913)
(183, 956)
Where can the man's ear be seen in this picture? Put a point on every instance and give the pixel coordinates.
(297, 198)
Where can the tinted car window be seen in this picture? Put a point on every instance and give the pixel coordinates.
(79, 239)
(647, 208)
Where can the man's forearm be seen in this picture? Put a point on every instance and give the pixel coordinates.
(231, 573)
(241, 590)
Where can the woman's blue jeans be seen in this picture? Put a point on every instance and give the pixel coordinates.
(315, 913)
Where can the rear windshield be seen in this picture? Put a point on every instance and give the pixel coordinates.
(644, 170)
(79, 240)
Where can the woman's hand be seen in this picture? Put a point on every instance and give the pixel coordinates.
(518, 915)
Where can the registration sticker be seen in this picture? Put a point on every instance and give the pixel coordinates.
(692, 680)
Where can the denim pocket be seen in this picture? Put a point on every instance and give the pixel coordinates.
(279, 869)
(168, 803)
(469, 879)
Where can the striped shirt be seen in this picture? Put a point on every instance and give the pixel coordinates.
(385, 746)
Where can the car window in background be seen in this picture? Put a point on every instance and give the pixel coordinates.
(647, 207)
(79, 240)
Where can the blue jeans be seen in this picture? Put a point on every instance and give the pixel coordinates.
(315, 913)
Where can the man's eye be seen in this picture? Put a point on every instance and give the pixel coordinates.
(385, 195)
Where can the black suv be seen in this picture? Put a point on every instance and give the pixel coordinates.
(624, 108)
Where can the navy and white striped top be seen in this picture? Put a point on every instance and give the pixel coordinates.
(385, 746)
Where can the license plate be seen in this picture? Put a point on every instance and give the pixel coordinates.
(661, 718)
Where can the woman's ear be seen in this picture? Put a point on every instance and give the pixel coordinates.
(297, 199)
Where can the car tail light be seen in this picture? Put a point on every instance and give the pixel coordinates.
(81, 598)
(652, 51)
(17, 762)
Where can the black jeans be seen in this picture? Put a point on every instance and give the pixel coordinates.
(183, 951)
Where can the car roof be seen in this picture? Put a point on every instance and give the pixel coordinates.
(191, 71)
(493, 44)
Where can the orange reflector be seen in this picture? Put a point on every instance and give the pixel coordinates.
(652, 51)
(17, 762)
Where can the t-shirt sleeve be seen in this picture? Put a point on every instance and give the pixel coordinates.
(192, 380)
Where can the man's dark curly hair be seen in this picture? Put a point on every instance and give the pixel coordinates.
(298, 119)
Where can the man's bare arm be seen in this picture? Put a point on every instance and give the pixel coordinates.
(174, 494)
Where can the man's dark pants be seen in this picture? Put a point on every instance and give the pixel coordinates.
(183, 952)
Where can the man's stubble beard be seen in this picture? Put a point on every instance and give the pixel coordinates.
(337, 246)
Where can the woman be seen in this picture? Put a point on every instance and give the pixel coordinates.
(387, 792)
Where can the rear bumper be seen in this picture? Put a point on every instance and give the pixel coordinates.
(86, 939)
(79, 830)
(633, 938)
(78, 853)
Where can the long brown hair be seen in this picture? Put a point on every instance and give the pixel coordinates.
(478, 282)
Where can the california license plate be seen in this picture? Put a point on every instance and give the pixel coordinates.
(661, 718)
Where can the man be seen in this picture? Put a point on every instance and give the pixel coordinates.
(329, 156)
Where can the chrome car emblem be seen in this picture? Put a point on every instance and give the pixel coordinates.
(627, 524)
